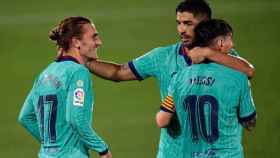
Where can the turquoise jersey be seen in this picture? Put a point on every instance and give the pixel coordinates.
(58, 111)
(162, 63)
(211, 102)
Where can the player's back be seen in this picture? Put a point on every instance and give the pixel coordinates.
(50, 97)
(207, 101)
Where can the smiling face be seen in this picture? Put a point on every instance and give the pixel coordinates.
(89, 42)
(186, 22)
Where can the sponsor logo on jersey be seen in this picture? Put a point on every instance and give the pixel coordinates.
(207, 153)
(79, 97)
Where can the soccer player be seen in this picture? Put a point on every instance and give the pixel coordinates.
(58, 110)
(212, 101)
(162, 63)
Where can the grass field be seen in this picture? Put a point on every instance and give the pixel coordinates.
(124, 112)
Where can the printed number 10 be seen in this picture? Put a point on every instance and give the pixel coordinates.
(195, 107)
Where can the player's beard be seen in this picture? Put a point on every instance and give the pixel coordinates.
(186, 44)
(186, 40)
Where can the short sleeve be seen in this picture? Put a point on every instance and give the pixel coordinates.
(247, 110)
(168, 103)
(146, 65)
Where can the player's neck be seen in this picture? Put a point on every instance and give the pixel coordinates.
(75, 54)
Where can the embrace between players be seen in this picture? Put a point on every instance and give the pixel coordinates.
(204, 88)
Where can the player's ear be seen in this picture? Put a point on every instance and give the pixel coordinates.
(75, 42)
(217, 44)
(220, 43)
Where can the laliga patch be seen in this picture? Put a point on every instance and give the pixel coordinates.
(79, 97)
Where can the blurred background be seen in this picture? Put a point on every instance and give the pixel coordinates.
(124, 112)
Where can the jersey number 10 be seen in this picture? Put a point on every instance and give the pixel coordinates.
(195, 105)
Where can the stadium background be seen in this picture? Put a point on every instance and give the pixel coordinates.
(124, 112)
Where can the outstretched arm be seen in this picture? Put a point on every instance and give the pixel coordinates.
(236, 63)
(110, 70)
(199, 53)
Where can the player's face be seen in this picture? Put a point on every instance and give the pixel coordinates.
(89, 42)
(227, 44)
(186, 22)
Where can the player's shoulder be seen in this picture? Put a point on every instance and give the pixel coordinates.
(228, 72)
(70, 68)
(81, 69)
(165, 50)
(182, 73)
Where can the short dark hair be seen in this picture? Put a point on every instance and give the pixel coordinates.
(67, 29)
(207, 31)
(196, 7)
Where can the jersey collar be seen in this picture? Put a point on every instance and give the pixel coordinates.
(183, 53)
(66, 58)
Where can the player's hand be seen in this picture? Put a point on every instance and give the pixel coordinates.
(198, 54)
(108, 155)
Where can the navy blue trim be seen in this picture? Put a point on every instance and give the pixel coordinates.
(247, 118)
(133, 69)
(166, 110)
(184, 54)
(67, 58)
(48, 147)
(104, 152)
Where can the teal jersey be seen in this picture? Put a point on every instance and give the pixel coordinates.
(59, 109)
(162, 63)
(211, 102)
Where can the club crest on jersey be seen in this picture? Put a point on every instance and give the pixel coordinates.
(80, 83)
(79, 97)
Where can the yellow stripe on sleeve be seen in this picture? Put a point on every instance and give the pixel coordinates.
(168, 108)
(168, 103)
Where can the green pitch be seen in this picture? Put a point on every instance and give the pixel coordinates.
(125, 112)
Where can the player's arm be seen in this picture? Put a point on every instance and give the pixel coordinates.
(234, 62)
(111, 71)
(163, 118)
(137, 69)
(246, 111)
(79, 112)
(27, 117)
(167, 109)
